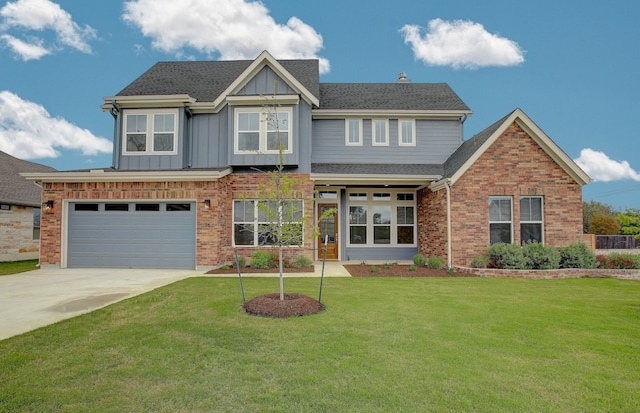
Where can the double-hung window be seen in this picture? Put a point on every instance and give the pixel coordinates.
(150, 132)
(531, 223)
(380, 128)
(500, 220)
(406, 132)
(254, 222)
(353, 132)
(263, 130)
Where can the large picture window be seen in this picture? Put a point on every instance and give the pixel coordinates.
(150, 132)
(381, 218)
(531, 222)
(263, 130)
(252, 222)
(500, 220)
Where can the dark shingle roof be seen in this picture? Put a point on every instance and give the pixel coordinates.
(389, 96)
(376, 169)
(205, 81)
(468, 148)
(14, 189)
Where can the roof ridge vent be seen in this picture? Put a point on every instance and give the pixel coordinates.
(402, 78)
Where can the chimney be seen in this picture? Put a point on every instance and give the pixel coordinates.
(402, 78)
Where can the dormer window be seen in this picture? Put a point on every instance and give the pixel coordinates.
(150, 132)
(263, 130)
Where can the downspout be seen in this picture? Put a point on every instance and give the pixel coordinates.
(115, 112)
(447, 185)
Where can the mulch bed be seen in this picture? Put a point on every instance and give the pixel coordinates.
(397, 270)
(293, 305)
(249, 270)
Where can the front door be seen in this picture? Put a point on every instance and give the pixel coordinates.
(328, 229)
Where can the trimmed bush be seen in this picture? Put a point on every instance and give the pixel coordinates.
(435, 262)
(419, 260)
(506, 256)
(540, 257)
(263, 260)
(303, 261)
(577, 255)
(480, 261)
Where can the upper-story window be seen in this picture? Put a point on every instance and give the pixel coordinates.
(353, 132)
(380, 129)
(263, 130)
(150, 132)
(406, 132)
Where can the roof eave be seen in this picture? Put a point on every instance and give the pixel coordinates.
(432, 114)
(100, 175)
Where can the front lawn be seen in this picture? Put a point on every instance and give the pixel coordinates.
(382, 345)
(14, 267)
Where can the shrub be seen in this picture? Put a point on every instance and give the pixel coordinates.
(540, 257)
(303, 261)
(412, 267)
(506, 256)
(242, 262)
(435, 262)
(577, 255)
(480, 261)
(263, 259)
(375, 269)
(419, 260)
(620, 261)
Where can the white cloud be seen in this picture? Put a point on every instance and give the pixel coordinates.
(461, 44)
(26, 51)
(41, 15)
(236, 29)
(601, 168)
(28, 131)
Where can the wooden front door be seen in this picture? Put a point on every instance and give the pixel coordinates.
(328, 228)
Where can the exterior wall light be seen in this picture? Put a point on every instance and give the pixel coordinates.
(47, 206)
(207, 203)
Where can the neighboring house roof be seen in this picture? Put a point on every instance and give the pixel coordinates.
(15, 189)
(390, 96)
(473, 148)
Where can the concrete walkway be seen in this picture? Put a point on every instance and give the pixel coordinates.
(34, 299)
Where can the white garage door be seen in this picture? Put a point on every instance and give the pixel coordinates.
(131, 235)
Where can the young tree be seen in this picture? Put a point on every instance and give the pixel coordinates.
(604, 225)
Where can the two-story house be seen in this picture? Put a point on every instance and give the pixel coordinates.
(191, 144)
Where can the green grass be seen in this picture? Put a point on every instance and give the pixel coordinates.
(382, 345)
(14, 267)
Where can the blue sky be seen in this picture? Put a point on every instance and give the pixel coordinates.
(571, 66)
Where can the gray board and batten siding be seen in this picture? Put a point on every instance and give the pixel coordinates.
(124, 234)
(436, 140)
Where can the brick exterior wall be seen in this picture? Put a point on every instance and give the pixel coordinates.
(214, 225)
(16, 234)
(515, 165)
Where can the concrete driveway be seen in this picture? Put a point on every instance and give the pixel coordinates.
(38, 298)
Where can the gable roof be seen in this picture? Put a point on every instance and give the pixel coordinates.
(15, 189)
(390, 96)
(470, 150)
(211, 81)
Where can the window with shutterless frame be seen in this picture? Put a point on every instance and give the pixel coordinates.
(150, 132)
(263, 130)
(500, 219)
(531, 219)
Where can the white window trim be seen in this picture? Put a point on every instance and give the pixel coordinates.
(264, 113)
(541, 222)
(510, 199)
(373, 132)
(413, 132)
(347, 130)
(149, 143)
(369, 204)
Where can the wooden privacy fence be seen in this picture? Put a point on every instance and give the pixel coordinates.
(616, 242)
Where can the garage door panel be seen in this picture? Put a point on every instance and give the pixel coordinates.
(131, 239)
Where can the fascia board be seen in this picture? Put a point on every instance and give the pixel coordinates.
(100, 175)
(266, 59)
(342, 179)
(148, 101)
(264, 100)
(432, 114)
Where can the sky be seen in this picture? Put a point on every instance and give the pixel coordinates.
(571, 66)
